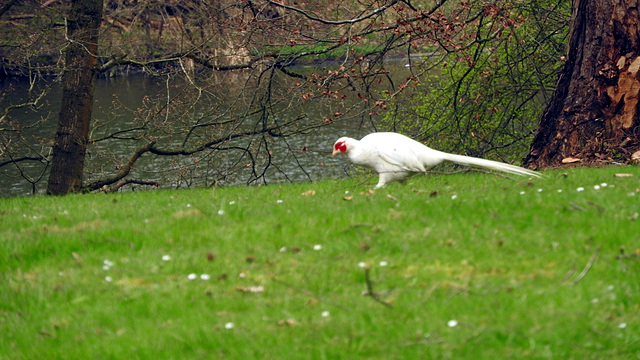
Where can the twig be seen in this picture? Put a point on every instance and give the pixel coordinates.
(588, 267)
(374, 295)
(570, 272)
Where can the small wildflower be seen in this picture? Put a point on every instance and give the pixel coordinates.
(279, 201)
(325, 314)
(229, 326)
(383, 263)
(220, 212)
(452, 323)
(192, 276)
(604, 184)
(108, 263)
(166, 257)
(108, 279)
(595, 301)
(232, 202)
(188, 205)
(596, 187)
(242, 275)
(559, 190)
(622, 325)
(205, 277)
(580, 189)
(540, 190)
(453, 197)
(283, 249)
(522, 192)
(362, 264)
(317, 247)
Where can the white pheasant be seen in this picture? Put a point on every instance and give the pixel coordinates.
(395, 157)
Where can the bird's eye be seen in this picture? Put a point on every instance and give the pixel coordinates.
(341, 146)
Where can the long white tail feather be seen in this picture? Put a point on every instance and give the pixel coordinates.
(489, 164)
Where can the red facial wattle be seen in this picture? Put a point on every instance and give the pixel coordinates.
(341, 146)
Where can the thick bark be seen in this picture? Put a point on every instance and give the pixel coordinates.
(593, 114)
(78, 83)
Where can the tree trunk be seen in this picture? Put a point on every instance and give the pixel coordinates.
(78, 84)
(593, 115)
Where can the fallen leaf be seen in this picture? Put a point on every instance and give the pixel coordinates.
(623, 175)
(287, 322)
(251, 289)
(364, 246)
(309, 193)
(348, 198)
(570, 160)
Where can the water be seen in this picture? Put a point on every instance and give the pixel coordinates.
(136, 108)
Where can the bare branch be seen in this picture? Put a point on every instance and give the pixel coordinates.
(338, 22)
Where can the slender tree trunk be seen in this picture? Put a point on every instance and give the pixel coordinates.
(594, 113)
(78, 84)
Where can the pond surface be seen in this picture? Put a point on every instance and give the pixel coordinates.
(300, 157)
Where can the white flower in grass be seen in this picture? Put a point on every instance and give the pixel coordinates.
(192, 276)
(539, 190)
(231, 202)
(580, 189)
(362, 264)
(325, 314)
(108, 279)
(559, 190)
(229, 326)
(166, 258)
(220, 212)
(596, 187)
(279, 201)
(622, 325)
(188, 205)
(205, 277)
(107, 265)
(604, 184)
(317, 247)
(452, 323)
(383, 263)
(453, 197)
(522, 192)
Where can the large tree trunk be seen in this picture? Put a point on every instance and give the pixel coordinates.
(78, 84)
(593, 114)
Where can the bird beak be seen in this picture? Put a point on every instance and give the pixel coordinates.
(333, 154)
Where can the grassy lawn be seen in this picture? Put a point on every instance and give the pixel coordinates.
(464, 266)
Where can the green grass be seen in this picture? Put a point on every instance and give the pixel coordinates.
(525, 274)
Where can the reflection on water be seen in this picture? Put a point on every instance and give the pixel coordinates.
(128, 102)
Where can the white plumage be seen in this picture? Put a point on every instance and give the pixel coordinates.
(394, 157)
